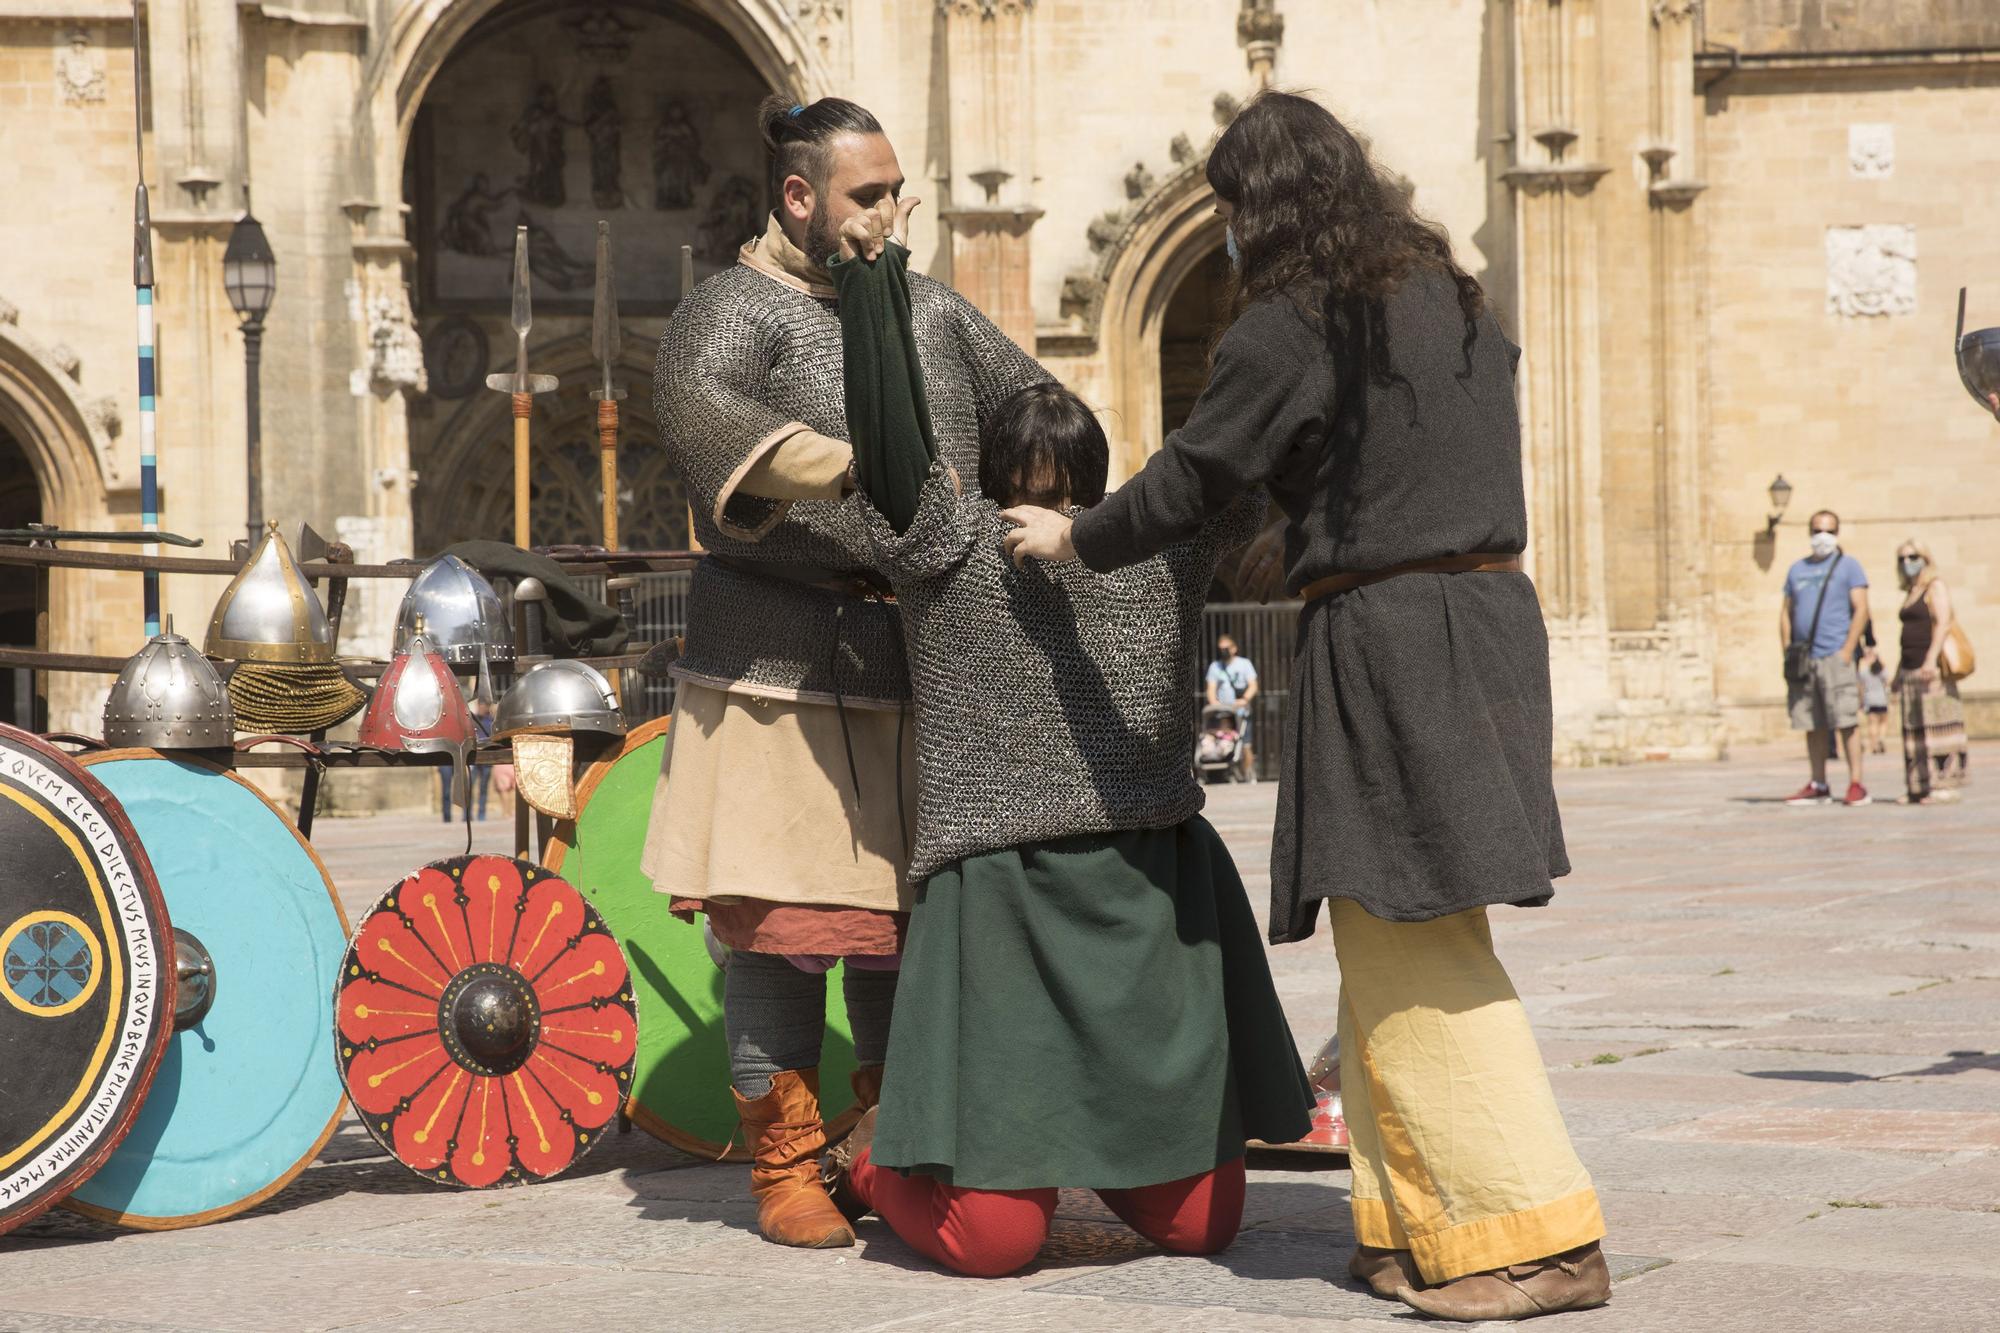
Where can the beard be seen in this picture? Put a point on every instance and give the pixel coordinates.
(822, 237)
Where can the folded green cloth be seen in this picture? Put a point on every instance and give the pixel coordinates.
(888, 417)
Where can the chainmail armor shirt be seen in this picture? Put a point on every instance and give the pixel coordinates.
(747, 362)
(1051, 700)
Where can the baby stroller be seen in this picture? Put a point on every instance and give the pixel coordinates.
(1218, 749)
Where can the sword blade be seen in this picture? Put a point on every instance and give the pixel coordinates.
(604, 334)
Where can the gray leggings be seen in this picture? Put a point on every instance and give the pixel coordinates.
(775, 1015)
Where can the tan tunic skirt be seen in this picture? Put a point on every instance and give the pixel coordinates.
(755, 800)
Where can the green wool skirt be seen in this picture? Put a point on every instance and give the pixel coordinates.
(1092, 1012)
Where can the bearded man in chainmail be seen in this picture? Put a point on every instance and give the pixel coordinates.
(781, 809)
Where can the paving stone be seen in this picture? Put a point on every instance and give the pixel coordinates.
(1932, 1242)
(280, 1289)
(1765, 1170)
(1898, 1131)
(1973, 1183)
(1686, 1226)
(1776, 1299)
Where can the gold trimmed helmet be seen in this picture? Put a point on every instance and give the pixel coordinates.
(269, 613)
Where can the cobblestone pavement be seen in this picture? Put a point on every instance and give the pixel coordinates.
(1775, 1034)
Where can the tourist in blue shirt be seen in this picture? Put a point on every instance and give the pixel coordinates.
(1232, 683)
(1825, 613)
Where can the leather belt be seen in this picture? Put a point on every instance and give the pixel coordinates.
(1478, 562)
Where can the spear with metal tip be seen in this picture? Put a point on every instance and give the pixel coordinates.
(521, 385)
(142, 282)
(604, 346)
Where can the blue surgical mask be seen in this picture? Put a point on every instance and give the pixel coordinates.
(1229, 247)
(1913, 565)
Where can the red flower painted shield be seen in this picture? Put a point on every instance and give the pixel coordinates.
(486, 1029)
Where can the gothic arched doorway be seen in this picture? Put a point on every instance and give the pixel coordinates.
(20, 505)
(554, 116)
(1187, 330)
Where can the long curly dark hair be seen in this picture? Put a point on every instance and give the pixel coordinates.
(1318, 222)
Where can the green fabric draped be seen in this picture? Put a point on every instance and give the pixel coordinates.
(888, 417)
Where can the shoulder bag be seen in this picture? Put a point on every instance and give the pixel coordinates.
(1798, 654)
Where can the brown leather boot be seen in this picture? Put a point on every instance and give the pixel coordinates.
(786, 1137)
(1385, 1271)
(1574, 1280)
(833, 1171)
(867, 1081)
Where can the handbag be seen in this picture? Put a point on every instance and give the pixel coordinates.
(1798, 655)
(1956, 660)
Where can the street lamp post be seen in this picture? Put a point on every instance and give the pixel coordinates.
(250, 275)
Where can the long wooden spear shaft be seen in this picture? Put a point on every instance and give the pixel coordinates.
(142, 283)
(521, 385)
(687, 289)
(605, 341)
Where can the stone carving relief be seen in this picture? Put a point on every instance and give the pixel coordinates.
(102, 413)
(1871, 270)
(1225, 108)
(537, 134)
(603, 126)
(1139, 182)
(551, 263)
(732, 218)
(395, 352)
(826, 19)
(1871, 151)
(79, 69)
(455, 354)
(602, 37)
(1181, 150)
(1668, 11)
(468, 219)
(678, 166)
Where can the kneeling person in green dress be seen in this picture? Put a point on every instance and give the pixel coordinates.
(1085, 1000)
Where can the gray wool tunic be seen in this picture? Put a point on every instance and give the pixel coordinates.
(1415, 776)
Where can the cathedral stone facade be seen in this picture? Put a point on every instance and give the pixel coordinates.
(1729, 236)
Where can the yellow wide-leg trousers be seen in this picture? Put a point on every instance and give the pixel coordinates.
(1459, 1153)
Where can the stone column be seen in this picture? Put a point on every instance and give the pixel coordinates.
(1554, 175)
(989, 168)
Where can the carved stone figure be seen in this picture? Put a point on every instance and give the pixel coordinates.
(602, 37)
(678, 166)
(467, 228)
(538, 135)
(395, 352)
(1080, 292)
(551, 263)
(1104, 231)
(79, 70)
(1181, 150)
(731, 219)
(1871, 270)
(1226, 107)
(603, 126)
(1139, 182)
(1871, 151)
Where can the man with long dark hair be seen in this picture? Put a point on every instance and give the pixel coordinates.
(779, 812)
(1365, 384)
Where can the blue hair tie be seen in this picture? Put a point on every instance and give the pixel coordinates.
(796, 112)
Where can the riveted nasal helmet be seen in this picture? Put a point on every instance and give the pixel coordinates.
(560, 695)
(168, 697)
(461, 614)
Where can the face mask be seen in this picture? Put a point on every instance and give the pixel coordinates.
(1913, 565)
(1825, 544)
(1229, 247)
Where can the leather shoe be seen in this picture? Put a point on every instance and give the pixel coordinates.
(1384, 1271)
(1574, 1280)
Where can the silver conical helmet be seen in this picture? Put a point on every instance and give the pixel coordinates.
(560, 695)
(269, 612)
(168, 697)
(461, 614)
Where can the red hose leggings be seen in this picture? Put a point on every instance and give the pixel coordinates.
(991, 1233)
